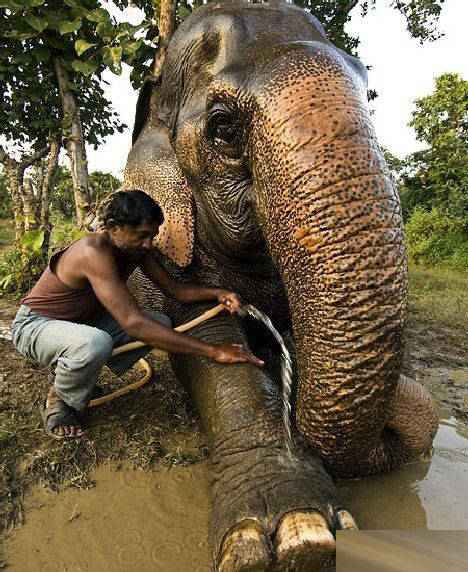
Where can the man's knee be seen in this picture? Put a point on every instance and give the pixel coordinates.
(97, 348)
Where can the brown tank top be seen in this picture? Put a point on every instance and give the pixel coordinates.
(51, 298)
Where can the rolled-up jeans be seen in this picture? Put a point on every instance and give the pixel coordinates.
(77, 351)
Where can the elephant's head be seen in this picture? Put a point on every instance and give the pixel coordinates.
(259, 139)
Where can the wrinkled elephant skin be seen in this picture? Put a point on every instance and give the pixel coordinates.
(258, 145)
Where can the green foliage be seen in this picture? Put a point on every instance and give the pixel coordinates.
(65, 232)
(435, 238)
(422, 17)
(438, 175)
(87, 39)
(443, 113)
(100, 184)
(22, 266)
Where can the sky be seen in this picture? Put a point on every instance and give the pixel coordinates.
(402, 71)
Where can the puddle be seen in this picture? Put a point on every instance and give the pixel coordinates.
(132, 520)
(158, 521)
(429, 495)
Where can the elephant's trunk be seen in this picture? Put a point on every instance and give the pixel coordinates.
(332, 219)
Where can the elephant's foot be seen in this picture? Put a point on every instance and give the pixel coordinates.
(304, 543)
(246, 549)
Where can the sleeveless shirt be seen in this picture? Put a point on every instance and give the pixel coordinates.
(51, 298)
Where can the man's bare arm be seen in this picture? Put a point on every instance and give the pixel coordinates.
(112, 292)
(186, 292)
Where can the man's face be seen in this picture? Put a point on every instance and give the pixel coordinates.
(134, 241)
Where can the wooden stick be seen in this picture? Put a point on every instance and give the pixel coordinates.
(110, 396)
(182, 328)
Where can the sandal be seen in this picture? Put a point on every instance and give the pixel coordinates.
(59, 414)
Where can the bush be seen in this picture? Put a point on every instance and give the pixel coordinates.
(434, 238)
(22, 266)
(64, 232)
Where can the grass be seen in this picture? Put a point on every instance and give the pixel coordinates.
(439, 295)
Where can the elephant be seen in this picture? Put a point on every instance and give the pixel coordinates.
(256, 141)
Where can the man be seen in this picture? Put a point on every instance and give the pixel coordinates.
(81, 308)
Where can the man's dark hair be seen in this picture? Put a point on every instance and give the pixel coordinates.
(132, 207)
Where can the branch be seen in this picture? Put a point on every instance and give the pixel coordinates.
(345, 10)
(28, 161)
(167, 21)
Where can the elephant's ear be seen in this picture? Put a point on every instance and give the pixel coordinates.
(152, 167)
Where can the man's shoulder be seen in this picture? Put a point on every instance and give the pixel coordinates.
(95, 242)
(94, 247)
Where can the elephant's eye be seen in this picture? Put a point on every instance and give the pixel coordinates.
(223, 128)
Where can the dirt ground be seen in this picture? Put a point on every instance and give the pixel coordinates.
(156, 426)
(150, 428)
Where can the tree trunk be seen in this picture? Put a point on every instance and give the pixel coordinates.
(52, 163)
(167, 17)
(15, 177)
(11, 171)
(15, 185)
(31, 221)
(74, 144)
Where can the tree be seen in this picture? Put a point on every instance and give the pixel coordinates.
(73, 41)
(438, 176)
(100, 184)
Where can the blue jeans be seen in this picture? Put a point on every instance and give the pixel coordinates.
(77, 351)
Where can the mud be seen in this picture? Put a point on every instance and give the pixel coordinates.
(118, 518)
(132, 520)
(425, 495)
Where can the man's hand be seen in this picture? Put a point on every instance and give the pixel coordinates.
(235, 353)
(230, 300)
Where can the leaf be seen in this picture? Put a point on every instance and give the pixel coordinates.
(105, 30)
(21, 4)
(32, 3)
(55, 42)
(131, 48)
(16, 35)
(33, 239)
(98, 15)
(42, 54)
(39, 24)
(116, 54)
(112, 57)
(68, 27)
(85, 68)
(81, 46)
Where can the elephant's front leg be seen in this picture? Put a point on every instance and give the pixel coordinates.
(268, 509)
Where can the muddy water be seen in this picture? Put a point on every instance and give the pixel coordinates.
(132, 520)
(429, 495)
(159, 521)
